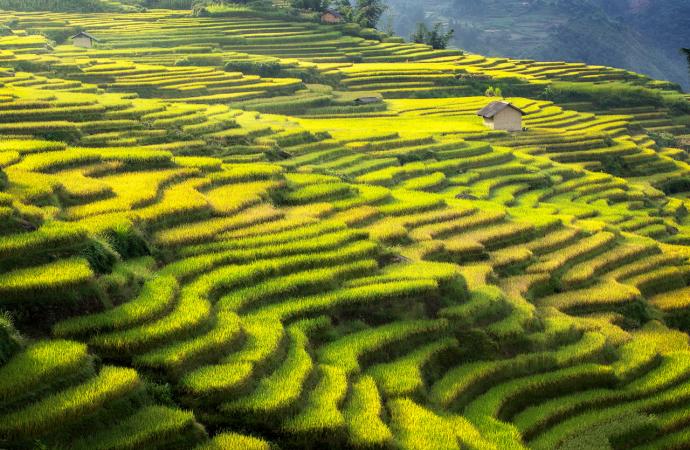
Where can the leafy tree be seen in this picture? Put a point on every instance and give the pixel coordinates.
(493, 92)
(344, 7)
(687, 55)
(368, 12)
(313, 5)
(437, 38)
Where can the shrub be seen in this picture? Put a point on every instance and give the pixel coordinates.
(261, 68)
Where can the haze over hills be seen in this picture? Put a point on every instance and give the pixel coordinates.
(640, 35)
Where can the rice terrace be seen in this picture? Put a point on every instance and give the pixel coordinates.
(254, 226)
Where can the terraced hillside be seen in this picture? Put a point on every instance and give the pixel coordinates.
(208, 242)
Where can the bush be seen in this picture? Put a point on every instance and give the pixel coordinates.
(261, 68)
(9, 340)
(200, 60)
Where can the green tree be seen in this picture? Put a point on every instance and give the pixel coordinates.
(368, 12)
(687, 55)
(313, 5)
(437, 38)
(344, 7)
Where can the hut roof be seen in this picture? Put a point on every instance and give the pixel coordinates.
(85, 34)
(493, 108)
(334, 12)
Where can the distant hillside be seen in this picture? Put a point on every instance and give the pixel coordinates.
(640, 35)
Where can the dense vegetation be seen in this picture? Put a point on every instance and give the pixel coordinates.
(241, 229)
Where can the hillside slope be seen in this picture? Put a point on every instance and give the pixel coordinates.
(208, 240)
(643, 36)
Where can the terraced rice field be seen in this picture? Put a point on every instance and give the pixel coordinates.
(194, 254)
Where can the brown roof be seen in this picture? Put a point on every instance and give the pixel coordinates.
(85, 34)
(493, 108)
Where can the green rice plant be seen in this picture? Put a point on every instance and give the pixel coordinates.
(674, 300)
(435, 216)
(8, 158)
(281, 389)
(71, 404)
(671, 370)
(235, 173)
(180, 200)
(217, 380)
(51, 236)
(391, 175)
(317, 192)
(661, 279)
(41, 364)
(506, 399)
(294, 283)
(40, 280)
(59, 130)
(225, 441)
(347, 351)
(579, 250)
(445, 229)
(566, 429)
(132, 190)
(301, 258)
(465, 381)
(191, 311)
(635, 357)
(151, 427)
(604, 294)
(347, 298)
(492, 236)
(306, 232)
(24, 146)
(229, 199)
(365, 195)
(363, 415)
(643, 266)
(263, 338)
(418, 428)
(403, 376)
(205, 230)
(156, 296)
(670, 441)
(321, 413)
(585, 271)
(176, 356)
(408, 202)
(290, 222)
(427, 182)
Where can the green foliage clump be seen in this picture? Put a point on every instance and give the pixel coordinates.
(437, 38)
(262, 68)
(9, 339)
